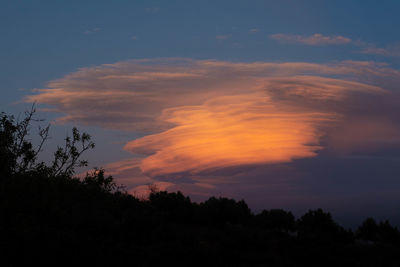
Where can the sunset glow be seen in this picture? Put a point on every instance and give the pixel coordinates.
(286, 104)
(222, 115)
(229, 131)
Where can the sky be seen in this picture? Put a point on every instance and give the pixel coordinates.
(285, 104)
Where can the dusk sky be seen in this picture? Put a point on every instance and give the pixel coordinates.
(285, 104)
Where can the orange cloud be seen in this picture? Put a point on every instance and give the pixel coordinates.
(229, 131)
(202, 115)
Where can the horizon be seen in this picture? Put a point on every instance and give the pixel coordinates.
(285, 104)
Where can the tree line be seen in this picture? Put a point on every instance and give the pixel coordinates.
(49, 216)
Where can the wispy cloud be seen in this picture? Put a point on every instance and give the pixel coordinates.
(392, 50)
(254, 30)
(315, 39)
(132, 95)
(223, 37)
(388, 51)
(92, 31)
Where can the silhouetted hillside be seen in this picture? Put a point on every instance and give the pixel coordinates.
(50, 217)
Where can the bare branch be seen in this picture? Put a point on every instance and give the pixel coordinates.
(21, 155)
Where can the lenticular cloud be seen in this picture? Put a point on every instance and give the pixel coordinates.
(199, 115)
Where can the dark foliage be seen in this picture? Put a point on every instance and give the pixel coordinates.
(318, 227)
(276, 220)
(222, 211)
(378, 233)
(47, 216)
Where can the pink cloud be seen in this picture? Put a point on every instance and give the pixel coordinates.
(364, 134)
(315, 39)
(143, 191)
(388, 51)
(132, 95)
(223, 37)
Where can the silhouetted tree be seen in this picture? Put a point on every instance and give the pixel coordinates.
(225, 210)
(383, 232)
(173, 206)
(388, 233)
(67, 158)
(18, 155)
(368, 230)
(319, 225)
(97, 179)
(276, 220)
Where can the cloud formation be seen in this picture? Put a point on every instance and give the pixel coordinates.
(315, 39)
(229, 131)
(204, 116)
(388, 51)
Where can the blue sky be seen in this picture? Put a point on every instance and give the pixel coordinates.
(47, 40)
(44, 40)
